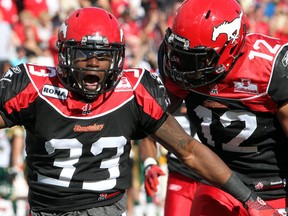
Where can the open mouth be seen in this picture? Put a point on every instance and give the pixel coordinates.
(91, 82)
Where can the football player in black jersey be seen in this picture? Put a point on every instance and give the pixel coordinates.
(81, 116)
(235, 89)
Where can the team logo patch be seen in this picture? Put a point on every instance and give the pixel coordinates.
(174, 187)
(231, 29)
(246, 86)
(102, 196)
(9, 73)
(123, 85)
(88, 128)
(262, 202)
(213, 89)
(15, 70)
(259, 186)
(55, 92)
(86, 109)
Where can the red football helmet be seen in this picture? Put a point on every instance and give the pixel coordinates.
(204, 42)
(87, 32)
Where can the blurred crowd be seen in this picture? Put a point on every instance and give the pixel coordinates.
(268, 17)
(29, 27)
(29, 34)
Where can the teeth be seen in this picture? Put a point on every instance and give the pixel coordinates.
(95, 86)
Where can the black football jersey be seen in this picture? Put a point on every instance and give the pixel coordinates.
(77, 150)
(174, 164)
(236, 117)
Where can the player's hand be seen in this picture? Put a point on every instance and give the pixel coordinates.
(258, 207)
(152, 172)
(151, 179)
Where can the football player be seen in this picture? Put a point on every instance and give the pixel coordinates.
(234, 86)
(81, 116)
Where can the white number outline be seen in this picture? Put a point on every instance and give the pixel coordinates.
(42, 72)
(75, 151)
(226, 119)
(257, 46)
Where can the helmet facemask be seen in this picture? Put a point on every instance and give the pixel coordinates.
(75, 77)
(190, 67)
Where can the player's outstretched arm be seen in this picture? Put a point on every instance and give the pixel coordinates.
(208, 165)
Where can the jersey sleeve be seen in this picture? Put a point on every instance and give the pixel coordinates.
(152, 99)
(278, 90)
(12, 100)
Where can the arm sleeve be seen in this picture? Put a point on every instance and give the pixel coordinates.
(278, 90)
(153, 101)
(12, 85)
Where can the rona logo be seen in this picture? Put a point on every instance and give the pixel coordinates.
(55, 92)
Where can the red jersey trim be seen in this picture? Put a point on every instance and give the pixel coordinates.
(148, 102)
(22, 100)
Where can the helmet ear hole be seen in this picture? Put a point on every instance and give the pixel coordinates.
(208, 14)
